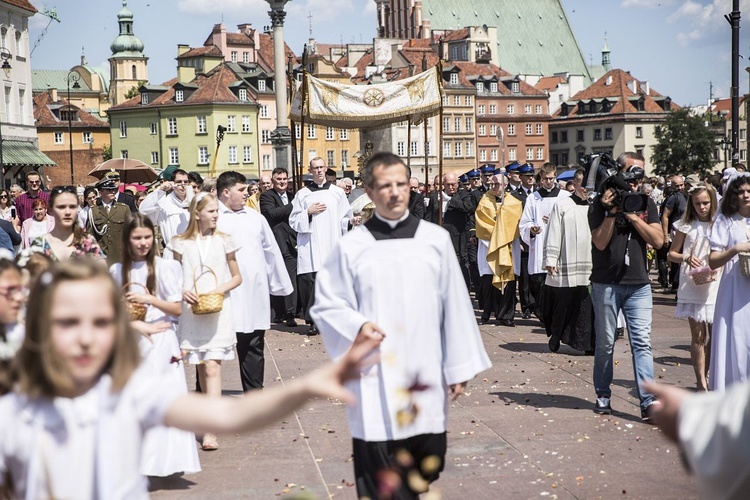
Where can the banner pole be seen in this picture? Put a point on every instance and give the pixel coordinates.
(440, 145)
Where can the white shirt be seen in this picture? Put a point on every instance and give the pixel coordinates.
(167, 212)
(261, 266)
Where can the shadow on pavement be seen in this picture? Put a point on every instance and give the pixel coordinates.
(562, 401)
(169, 483)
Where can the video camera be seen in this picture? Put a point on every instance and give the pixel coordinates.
(603, 172)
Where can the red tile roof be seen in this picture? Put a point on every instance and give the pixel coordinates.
(549, 82)
(44, 117)
(239, 39)
(209, 50)
(468, 69)
(265, 52)
(22, 4)
(452, 36)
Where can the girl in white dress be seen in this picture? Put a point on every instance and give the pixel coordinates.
(208, 266)
(157, 283)
(690, 248)
(73, 427)
(730, 354)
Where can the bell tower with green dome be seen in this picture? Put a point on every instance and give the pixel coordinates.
(127, 65)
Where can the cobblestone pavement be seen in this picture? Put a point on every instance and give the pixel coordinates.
(524, 429)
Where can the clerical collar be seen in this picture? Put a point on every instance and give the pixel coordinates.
(544, 193)
(578, 200)
(315, 187)
(392, 223)
(380, 228)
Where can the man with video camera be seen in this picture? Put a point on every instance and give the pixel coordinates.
(621, 226)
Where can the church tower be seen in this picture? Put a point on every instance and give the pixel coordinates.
(606, 63)
(128, 65)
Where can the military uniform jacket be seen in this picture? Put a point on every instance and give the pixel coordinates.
(107, 227)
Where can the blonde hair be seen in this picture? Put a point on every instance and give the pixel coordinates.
(39, 369)
(690, 215)
(199, 202)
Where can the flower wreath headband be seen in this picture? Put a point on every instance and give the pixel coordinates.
(738, 175)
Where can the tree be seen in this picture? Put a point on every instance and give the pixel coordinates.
(135, 90)
(106, 152)
(685, 145)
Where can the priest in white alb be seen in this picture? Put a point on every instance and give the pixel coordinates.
(167, 207)
(263, 273)
(321, 215)
(373, 284)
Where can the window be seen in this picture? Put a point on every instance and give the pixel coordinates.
(480, 86)
(267, 160)
(344, 134)
(446, 124)
(456, 100)
(171, 126)
(134, 72)
(480, 109)
(231, 123)
(743, 154)
(124, 154)
(234, 56)
(493, 130)
(445, 101)
(331, 158)
(482, 155)
(469, 123)
(457, 124)
(330, 134)
(345, 157)
(539, 153)
(469, 148)
(174, 156)
(262, 85)
(554, 137)
(493, 154)
(414, 148)
(247, 154)
(538, 109)
(429, 148)
(232, 152)
(59, 138)
(179, 96)
(311, 134)
(200, 124)
(579, 135)
(401, 148)
(153, 128)
(639, 132)
(511, 129)
(144, 98)
(515, 87)
(597, 134)
(265, 137)
(608, 133)
(246, 57)
(564, 158)
(202, 155)
(123, 129)
(527, 109)
(564, 137)
(88, 138)
(743, 134)
(154, 157)
(512, 154)
(483, 130)
(539, 129)
(493, 86)
(528, 129)
(467, 100)
(264, 112)
(246, 124)
(446, 149)
(458, 148)
(454, 79)
(529, 153)
(243, 95)
(454, 53)
(297, 131)
(493, 109)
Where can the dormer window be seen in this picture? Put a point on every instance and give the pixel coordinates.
(262, 85)
(243, 94)
(564, 110)
(480, 86)
(515, 87)
(454, 79)
(179, 96)
(493, 86)
(144, 98)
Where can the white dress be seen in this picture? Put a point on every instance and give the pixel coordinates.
(206, 336)
(86, 447)
(166, 450)
(730, 337)
(695, 301)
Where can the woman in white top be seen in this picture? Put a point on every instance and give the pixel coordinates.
(690, 248)
(157, 284)
(73, 427)
(89, 200)
(209, 265)
(7, 209)
(11, 332)
(37, 225)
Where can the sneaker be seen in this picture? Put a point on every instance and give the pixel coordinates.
(645, 416)
(602, 406)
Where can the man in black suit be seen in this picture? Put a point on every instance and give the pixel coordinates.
(456, 207)
(121, 196)
(275, 206)
(416, 199)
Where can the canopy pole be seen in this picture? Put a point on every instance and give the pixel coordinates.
(426, 160)
(298, 181)
(408, 144)
(440, 144)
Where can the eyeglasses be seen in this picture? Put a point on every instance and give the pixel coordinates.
(12, 292)
(180, 183)
(34, 183)
(63, 189)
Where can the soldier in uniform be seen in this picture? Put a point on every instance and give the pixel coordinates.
(107, 219)
(487, 172)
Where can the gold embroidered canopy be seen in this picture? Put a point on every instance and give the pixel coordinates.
(368, 106)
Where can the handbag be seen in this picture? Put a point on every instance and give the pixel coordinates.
(701, 275)
(137, 311)
(208, 303)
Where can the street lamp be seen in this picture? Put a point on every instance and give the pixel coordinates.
(4, 55)
(725, 142)
(73, 78)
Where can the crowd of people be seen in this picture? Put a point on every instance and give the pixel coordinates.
(107, 289)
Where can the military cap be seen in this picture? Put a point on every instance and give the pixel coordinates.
(487, 169)
(106, 183)
(526, 169)
(472, 174)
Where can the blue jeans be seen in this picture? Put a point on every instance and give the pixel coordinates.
(636, 305)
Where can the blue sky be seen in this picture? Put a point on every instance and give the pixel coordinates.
(679, 46)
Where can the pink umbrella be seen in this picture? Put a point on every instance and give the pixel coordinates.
(130, 170)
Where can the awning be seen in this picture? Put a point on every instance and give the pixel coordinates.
(22, 154)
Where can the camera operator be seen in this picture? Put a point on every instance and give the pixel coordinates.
(620, 282)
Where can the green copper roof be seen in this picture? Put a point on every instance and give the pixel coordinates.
(534, 36)
(24, 153)
(43, 79)
(126, 44)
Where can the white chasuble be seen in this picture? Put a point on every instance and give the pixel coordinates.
(538, 206)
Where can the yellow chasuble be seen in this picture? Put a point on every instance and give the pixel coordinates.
(498, 223)
(253, 201)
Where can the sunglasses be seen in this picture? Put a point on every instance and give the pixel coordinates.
(64, 189)
(180, 183)
(3, 195)
(34, 183)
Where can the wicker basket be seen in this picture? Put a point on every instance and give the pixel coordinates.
(137, 311)
(745, 264)
(208, 303)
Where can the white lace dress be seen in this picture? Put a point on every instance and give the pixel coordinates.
(695, 301)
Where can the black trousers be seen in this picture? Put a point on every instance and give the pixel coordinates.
(524, 294)
(251, 357)
(471, 258)
(285, 307)
(306, 283)
(536, 281)
(662, 265)
(501, 304)
(371, 457)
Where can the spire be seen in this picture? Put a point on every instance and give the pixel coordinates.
(126, 41)
(605, 55)
(84, 62)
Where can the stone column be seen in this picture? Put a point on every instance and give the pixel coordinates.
(281, 137)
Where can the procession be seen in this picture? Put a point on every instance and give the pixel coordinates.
(426, 322)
